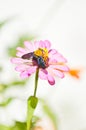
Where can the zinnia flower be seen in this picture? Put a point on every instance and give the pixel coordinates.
(40, 55)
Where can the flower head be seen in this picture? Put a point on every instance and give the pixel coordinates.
(40, 55)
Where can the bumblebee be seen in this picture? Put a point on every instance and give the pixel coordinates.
(39, 57)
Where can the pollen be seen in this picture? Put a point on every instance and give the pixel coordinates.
(43, 52)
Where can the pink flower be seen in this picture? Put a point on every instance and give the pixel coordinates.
(40, 55)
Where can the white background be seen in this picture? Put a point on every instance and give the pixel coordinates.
(63, 22)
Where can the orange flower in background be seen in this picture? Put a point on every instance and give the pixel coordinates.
(37, 128)
(75, 73)
(44, 124)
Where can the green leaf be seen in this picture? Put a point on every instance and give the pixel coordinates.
(19, 126)
(6, 102)
(16, 82)
(31, 106)
(4, 22)
(3, 87)
(1, 68)
(3, 127)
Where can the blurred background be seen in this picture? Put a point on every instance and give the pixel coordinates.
(63, 22)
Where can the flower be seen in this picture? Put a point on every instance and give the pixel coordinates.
(40, 55)
(37, 128)
(75, 73)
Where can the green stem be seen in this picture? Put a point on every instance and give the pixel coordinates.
(36, 81)
(32, 103)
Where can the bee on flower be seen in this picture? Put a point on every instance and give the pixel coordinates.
(39, 55)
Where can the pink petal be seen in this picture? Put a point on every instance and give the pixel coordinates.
(60, 67)
(44, 44)
(58, 58)
(52, 61)
(24, 74)
(43, 74)
(28, 72)
(29, 45)
(47, 44)
(22, 67)
(52, 52)
(19, 54)
(20, 49)
(61, 57)
(36, 45)
(41, 44)
(32, 69)
(58, 73)
(51, 80)
(17, 60)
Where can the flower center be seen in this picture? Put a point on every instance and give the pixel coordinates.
(41, 57)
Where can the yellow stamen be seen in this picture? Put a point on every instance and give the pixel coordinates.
(41, 52)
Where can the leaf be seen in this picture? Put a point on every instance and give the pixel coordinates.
(4, 22)
(3, 127)
(3, 87)
(31, 105)
(1, 68)
(19, 126)
(16, 82)
(6, 102)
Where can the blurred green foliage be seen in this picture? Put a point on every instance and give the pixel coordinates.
(19, 126)
(4, 22)
(3, 87)
(20, 42)
(35, 119)
(6, 102)
(1, 68)
(16, 126)
(16, 82)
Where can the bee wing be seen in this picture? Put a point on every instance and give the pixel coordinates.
(27, 56)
